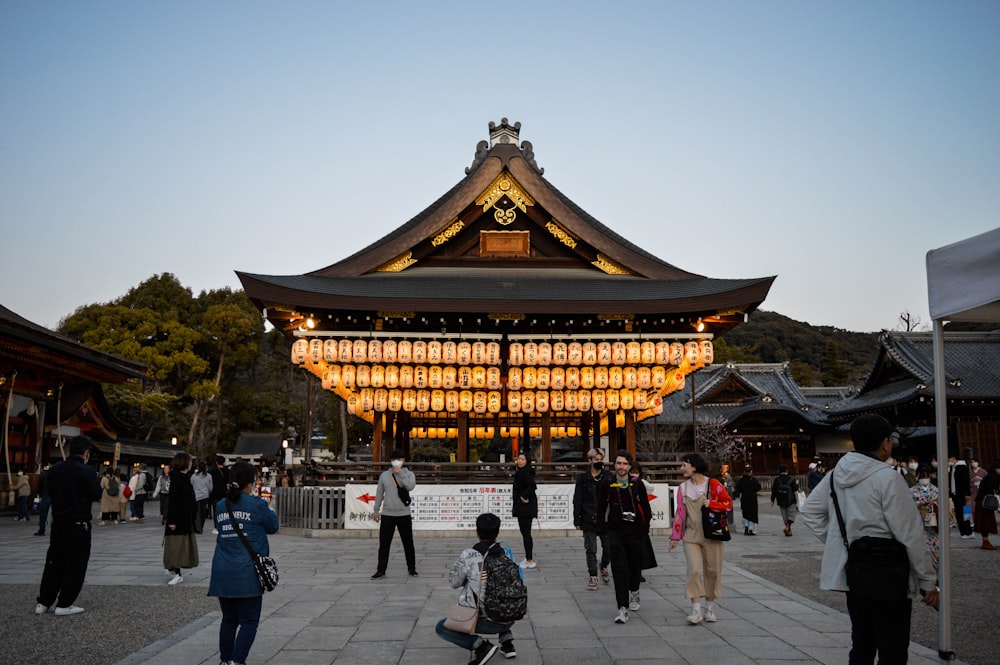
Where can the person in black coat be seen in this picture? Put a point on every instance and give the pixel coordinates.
(746, 489)
(180, 548)
(585, 517)
(525, 507)
(959, 489)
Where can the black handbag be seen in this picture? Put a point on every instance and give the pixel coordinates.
(404, 494)
(878, 569)
(714, 523)
(265, 567)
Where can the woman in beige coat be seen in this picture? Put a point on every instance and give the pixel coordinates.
(109, 503)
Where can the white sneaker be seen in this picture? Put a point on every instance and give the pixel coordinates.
(215, 532)
(41, 609)
(633, 601)
(176, 579)
(968, 535)
(695, 617)
(66, 611)
(528, 564)
(710, 615)
(592, 583)
(622, 615)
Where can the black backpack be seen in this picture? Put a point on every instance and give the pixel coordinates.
(505, 598)
(785, 495)
(149, 485)
(112, 486)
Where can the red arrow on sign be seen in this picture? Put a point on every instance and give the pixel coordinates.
(652, 497)
(366, 497)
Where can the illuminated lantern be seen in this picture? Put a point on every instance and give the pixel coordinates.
(493, 353)
(300, 351)
(423, 401)
(434, 352)
(464, 377)
(375, 351)
(707, 352)
(587, 377)
(330, 351)
(389, 348)
(420, 376)
(575, 353)
(556, 401)
(464, 353)
(360, 351)
(597, 400)
(627, 400)
(345, 351)
(493, 402)
(633, 353)
(381, 399)
(395, 400)
(333, 375)
(478, 353)
(529, 377)
(392, 378)
(449, 378)
(543, 378)
(362, 376)
(558, 378)
(434, 375)
(641, 399)
(316, 350)
(419, 351)
(569, 400)
(465, 401)
(560, 353)
(528, 401)
(544, 353)
(449, 353)
(583, 400)
(629, 377)
(604, 353)
(404, 351)
(676, 354)
(347, 378)
(613, 399)
(572, 378)
(378, 375)
(663, 353)
(352, 404)
(619, 353)
(451, 401)
(325, 381)
(367, 399)
(406, 378)
(644, 378)
(647, 353)
(409, 400)
(614, 377)
(514, 378)
(659, 377)
(601, 377)
(478, 377)
(516, 353)
(589, 353)
(541, 401)
(691, 353)
(513, 401)
(493, 378)
(479, 402)
(530, 353)
(437, 400)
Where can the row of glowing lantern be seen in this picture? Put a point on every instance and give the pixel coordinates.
(488, 432)
(489, 378)
(488, 353)
(526, 401)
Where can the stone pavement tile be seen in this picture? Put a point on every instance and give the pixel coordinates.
(298, 658)
(383, 630)
(325, 637)
(265, 647)
(767, 648)
(801, 637)
(580, 636)
(638, 647)
(829, 655)
(573, 657)
(278, 625)
(692, 636)
(332, 619)
(371, 653)
(304, 610)
(448, 654)
(701, 655)
(731, 626)
(769, 619)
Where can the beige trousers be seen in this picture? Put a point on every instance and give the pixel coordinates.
(704, 569)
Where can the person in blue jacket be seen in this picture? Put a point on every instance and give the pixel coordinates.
(234, 579)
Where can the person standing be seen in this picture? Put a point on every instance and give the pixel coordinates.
(162, 493)
(44, 501)
(73, 487)
(202, 483)
(704, 557)
(959, 489)
(783, 490)
(180, 548)
(23, 489)
(585, 517)
(234, 579)
(623, 513)
(220, 480)
(525, 506)
(746, 489)
(874, 501)
(109, 501)
(392, 512)
(986, 520)
(815, 474)
(925, 495)
(123, 501)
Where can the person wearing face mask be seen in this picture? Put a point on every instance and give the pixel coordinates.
(986, 519)
(910, 471)
(976, 475)
(524, 506)
(392, 512)
(585, 517)
(925, 495)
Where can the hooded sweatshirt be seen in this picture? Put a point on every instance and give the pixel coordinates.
(874, 501)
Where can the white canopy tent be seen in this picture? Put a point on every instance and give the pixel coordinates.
(963, 284)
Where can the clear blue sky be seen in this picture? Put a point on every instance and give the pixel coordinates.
(829, 143)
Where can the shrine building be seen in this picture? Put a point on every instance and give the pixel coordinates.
(502, 310)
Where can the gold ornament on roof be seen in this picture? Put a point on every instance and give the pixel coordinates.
(504, 186)
(398, 264)
(609, 266)
(561, 234)
(448, 233)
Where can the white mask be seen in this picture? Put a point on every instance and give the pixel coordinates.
(924, 481)
(975, 465)
(397, 463)
(913, 466)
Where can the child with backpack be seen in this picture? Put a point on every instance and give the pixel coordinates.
(783, 491)
(491, 581)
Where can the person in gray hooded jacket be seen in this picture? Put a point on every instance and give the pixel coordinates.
(874, 501)
(392, 513)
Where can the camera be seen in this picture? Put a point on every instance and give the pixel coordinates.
(628, 516)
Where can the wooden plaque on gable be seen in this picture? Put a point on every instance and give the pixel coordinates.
(515, 244)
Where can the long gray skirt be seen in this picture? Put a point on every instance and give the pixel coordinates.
(180, 551)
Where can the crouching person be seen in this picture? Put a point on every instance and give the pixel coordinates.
(494, 587)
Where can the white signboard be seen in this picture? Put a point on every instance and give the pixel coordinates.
(444, 507)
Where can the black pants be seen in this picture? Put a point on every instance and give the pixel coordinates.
(964, 525)
(140, 505)
(879, 627)
(65, 563)
(626, 565)
(524, 524)
(387, 527)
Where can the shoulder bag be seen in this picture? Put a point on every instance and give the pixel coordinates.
(714, 523)
(265, 566)
(991, 502)
(878, 569)
(404, 494)
(462, 619)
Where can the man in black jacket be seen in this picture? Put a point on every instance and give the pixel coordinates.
(959, 489)
(585, 517)
(73, 488)
(220, 477)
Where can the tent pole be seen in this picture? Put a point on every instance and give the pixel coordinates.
(941, 431)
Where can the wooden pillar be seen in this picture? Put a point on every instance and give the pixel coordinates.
(585, 431)
(613, 439)
(377, 438)
(526, 435)
(546, 437)
(630, 431)
(595, 430)
(403, 432)
(463, 437)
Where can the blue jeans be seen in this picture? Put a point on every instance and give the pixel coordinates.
(483, 627)
(240, 617)
(22, 509)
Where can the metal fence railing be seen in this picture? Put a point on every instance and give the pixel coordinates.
(309, 507)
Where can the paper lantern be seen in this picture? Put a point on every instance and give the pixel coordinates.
(541, 401)
(479, 401)
(404, 351)
(360, 354)
(587, 377)
(707, 352)
(347, 378)
(419, 351)
(559, 353)
(569, 400)
(464, 377)
(478, 353)
(619, 353)
(556, 402)
(528, 400)
(543, 378)
(330, 351)
(423, 401)
(558, 378)
(644, 378)
(362, 376)
(514, 401)
(449, 353)
(406, 378)
(389, 348)
(345, 351)
(494, 403)
(434, 352)
(478, 376)
(597, 400)
(325, 381)
(493, 378)
(530, 353)
(662, 353)
(641, 399)
(612, 399)
(659, 377)
(626, 397)
(575, 353)
(420, 376)
(544, 353)
(601, 377)
(465, 401)
(691, 353)
(300, 351)
(516, 353)
(572, 378)
(367, 399)
(381, 399)
(514, 378)
(392, 378)
(434, 376)
(395, 400)
(353, 404)
(437, 400)
(374, 350)
(590, 353)
(583, 400)
(451, 401)
(529, 377)
(449, 377)
(493, 353)
(676, 354)
(378, 376)
(333, 375)
(316, 350)
(409, 400)
(647, 353)
(464, 350)
(629, 377)
(614, 377)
